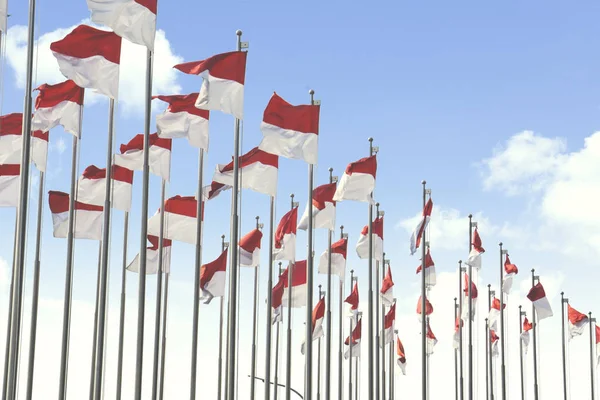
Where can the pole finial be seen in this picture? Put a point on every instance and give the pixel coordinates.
(371, 139)
(311, 92)
(330, 169)
(500, 244)
(460, 261)
(351, 271)
(223, 237)
(238, 32)
(489, 285)
(423, 182)
(520, 306)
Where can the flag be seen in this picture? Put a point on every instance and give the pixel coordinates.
(355, 346)
(474, 294)
(39, 149)
(182, 119)
(134, 20)
(11, 142)
(457, 325)
(159, 157)
(91, 188)
(285, 237)
(250, 248)
(277, 300)
(387, 336)
(537, 295)
(474, 259)
(494, 340)
(88, 218)
(212, 278)
(362, 246)
(211, 191)
(527, 326)
(494, 315)
(353, 300)
(59, 104)
(339, 252)
(401, 360)
(431, 341)
(387, 289)
(323, 208)
(258, 171)
(577, 322)
(317, 322)
(428, 308)
(597, 331)
(415, 239)
(510, 270)
(358, 181)
(291, 131)
(152, 257)
(180, 219)
(10, 181)
(298, 285)
(90, 57)
(223, 78)
(430, 277)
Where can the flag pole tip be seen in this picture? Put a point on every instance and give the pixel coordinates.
(330, 169)
(311, 92)
(370, 139)
(470, 215)
(238, 32)
(500, 244)
(489, 285)
(423, 182)
(341, 226)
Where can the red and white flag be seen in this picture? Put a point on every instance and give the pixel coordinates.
(339, 251)
(474, 259)
(134, 20)
(11, 142)
(182, 119)
(527, 326)
(276, 300)
(537, 295)
(415, 239)
(431, 341)
(223, 77)
(258, 170)
(577, 322)
(457, 325)
(298, 296)
(494, 340)
(428, 308)
(10, 182)
(59, 104)
(494, 315)
(212, 278)
(318, 316)
(250, 248)
(285, 237)
(323, 208)
(180, 219)
(401, 356)
(598, 344)
(474, 295)
(387, 336)
(88, 218)
(159, 157)
(152, 257)
(291, 131)
(355, 346)
(353, 300)
(39, 149)
(510, 270)
(90, 57)
(91, 187)
(211, 191)
(430, 277)
(358, 181)
(362, 246)
(387, 289)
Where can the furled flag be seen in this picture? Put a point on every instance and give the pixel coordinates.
(473, 298)
(134, 20)
(457, 325)
(91, 58)
(387, 289)
(494, 340)
(88, 218)
(11, 142)
(510, 270)
(428, 308)
(317, 322)
(431, 341)
(430, 277)
(527, 326)
(358, 181)
(277, 300)
(59, 104)
(159, 157)
(211, 191)
(353, 300)
(388, 324)
(180, 219)
(182, 119)
(474, 259)
(537, 295)
(212, 278)
(3, 15)
(250, 248)
(362, 246)
(598, 344)
(258, 170)
(401, 360)
(323, 208)
(298, 285)
(291, 131)
(10, 181)
(494, 315)
(339, 251)
(91, 187)
(417, 235)
(355, 346)
(285, 237)
(152, 257)
(223, 78)
(577, 322)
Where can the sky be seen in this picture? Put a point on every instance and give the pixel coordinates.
(494, 104)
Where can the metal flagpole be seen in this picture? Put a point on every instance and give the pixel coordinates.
(321, 294)
(269, 315)
(564, 351)
(382, 340)
(461, 381)
(487, 361)
(491, 293)
(371, 334)
(393, 366)
(224, 245)
(533, 321)
(352, 280)
(139, 355)
(377, 324)
(329, 324)
(254, 324)
(10, 312)
(288, 367)
(591, 323)
(163, 351)
(122, 310)
(95, 334)
(159, 286)
(423, 308)
(36, 287)
(341, 329)
(521, 314)
(502, 365)
(471, 226)
(276, 386)
(455, 353)
(356, 364)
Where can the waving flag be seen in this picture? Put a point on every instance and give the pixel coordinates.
(362, 246)
(355, 346)
(474, 259)
(323, 208)
(91, 187)
(180, 219)
(494, 315)
(401, 360)
(474, 295)
(387, 336)
(59, 104)
(212, 278)
(258, 170)
(277, 300)
(10, 181)
(339, 252)
(298, 291)
(577, 322)
(11, 142)
(598, 343)
(358, 181)
(285, 237)
(494, 340)
(537, 295)
(428, 308)
(510, 270)
(183, 120)
(317, 322)
(415, 239)
(457, 325)
(430, 277)
(353, 300)
(211, 191)
(431, 341)
(152, 257)
(387, 289)
(250, 248)
(88, 218)
(527, 326)
(159, 157)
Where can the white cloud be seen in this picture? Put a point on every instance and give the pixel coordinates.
(132, 74)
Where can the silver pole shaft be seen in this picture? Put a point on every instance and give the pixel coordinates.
(487, 362)
(36, 287)
(220, 362)
(139, 355)
(460, 333)
(341, 343)
(371, 343)
(288, 367)
(329, 322)
(423, 309)
(382, 340)
(392, 371)
(95, 334)
(563, 342)
(521, 354)
(199, 210)
(456, 354)
(319, 370)
(502, 365)
(122, 310)
(356, 381)
(269, 313)
(377, 328)
(591, 324)
(276, 387)
(470, 321)
(163, 356)
(159, 285)
(533, 320)
(254, 336)
(350, 344)
(10, 311)
(489, 345)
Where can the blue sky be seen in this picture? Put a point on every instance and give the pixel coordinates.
(442, 87)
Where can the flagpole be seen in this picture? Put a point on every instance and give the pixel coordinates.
(371, 335)
(377, 338)
(329, 324)
(10, 312)
(139, 356)
(122, 311)
(254, 324)
(95, 331)
(393, 366)
(321, 294)
(352, 279)
(456, 353)
(564, 300)
(487, 362)
(502, 365)
(36, 287)
(356, 365)
(288, 367)
(533, 320)
(269, 314)
(382, 341)
(591, 322)
(521, 314)
(276, 387)
(491, 293)
(221, 313)
(341, 328)
(423, 308)
(470, 311)
(460, 331)
(164, 338)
